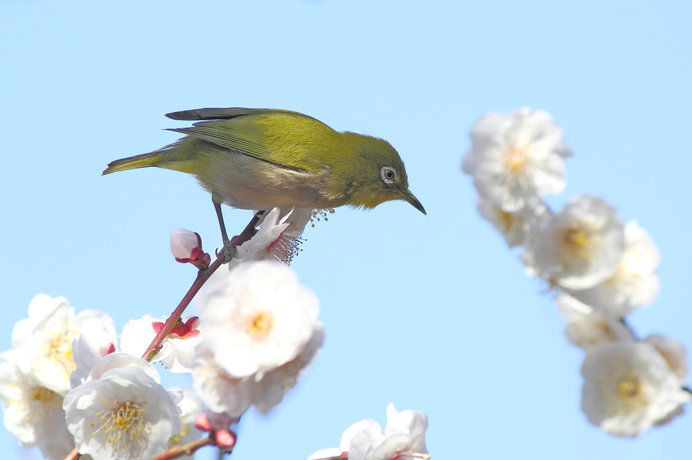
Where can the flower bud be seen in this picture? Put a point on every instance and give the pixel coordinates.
(186, 247)
(224, 439)
(202, 422)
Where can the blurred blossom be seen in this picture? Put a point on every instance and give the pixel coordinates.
(121, 412)
(278, 237)
(189, 405)
(177, 349)
(513, 226)
(258, 319)
(233, 396)
(578, 247)
(587, 327)
(222, 392)
(673, 352)
(634, 283)
(33, 413)
(266, 393)
(515, 159)
(403, 438)
(44, 340)
(629, 387)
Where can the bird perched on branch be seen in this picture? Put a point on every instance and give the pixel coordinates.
(265, 158)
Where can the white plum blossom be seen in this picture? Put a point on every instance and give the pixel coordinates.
(33, 413)
(222, 392)
(177, 349)
(587, 327)
(122, 359)
(515, 159)
(190, 405)
(578, 247)
(233, 396)
(93, 343)
(45, 339)
(257, 319)
(673, 352)
(513, 226)
(403, 438)
(629, 387)
(267, 392)
(121, 411)
(634, 283)
(278, 237)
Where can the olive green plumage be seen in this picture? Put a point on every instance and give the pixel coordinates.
(261, 158)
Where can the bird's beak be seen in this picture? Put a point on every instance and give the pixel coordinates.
(408, 196)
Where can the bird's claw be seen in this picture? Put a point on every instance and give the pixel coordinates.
(228, 250)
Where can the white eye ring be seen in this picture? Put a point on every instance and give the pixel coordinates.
(388, 174)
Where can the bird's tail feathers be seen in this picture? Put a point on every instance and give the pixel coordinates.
(138, 161)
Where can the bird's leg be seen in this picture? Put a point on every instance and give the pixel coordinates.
(228, 248)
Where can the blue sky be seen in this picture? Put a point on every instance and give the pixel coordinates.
(432, 313)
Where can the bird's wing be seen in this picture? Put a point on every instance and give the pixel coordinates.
(216, 114)
(283, 138)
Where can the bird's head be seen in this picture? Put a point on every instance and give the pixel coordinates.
(380, 175)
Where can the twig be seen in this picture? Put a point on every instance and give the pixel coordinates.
(202, 276)
(186, 449)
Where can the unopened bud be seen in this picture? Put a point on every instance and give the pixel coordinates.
(224, 439)
(202, 422)
(182, 329)
(186, 247)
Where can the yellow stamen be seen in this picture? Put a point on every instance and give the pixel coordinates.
(577, 242)
(517, 159)
(124, 425)
(506, 219)
(260, 325)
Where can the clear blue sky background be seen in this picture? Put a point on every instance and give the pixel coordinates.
(432, 313)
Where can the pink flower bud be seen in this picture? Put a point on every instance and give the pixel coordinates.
(202, 422)
(182, 329)
(224, 439)
(186, 247)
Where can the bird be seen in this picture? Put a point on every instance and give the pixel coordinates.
(263, 158)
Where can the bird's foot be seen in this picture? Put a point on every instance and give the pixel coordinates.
(228, 250)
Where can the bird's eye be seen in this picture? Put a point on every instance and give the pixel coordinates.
(388, 174)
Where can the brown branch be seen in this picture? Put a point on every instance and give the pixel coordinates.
(202, 276)
(186, 449)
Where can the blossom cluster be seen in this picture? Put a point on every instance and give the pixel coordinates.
(403, 439)
(71, 382)
(600, 269)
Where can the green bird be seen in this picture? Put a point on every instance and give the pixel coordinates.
(264, 158)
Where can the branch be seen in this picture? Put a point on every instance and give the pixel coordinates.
(186, 449)
(202, 276)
